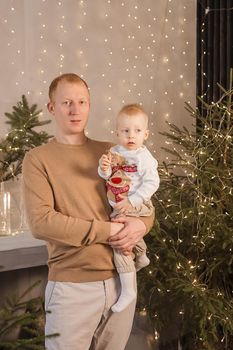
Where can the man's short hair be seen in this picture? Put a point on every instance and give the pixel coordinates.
(69, 77)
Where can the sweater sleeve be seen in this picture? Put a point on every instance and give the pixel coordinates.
(48, 224)
(148, 221)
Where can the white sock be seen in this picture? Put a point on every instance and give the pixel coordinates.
(141, 261)
(128, 291)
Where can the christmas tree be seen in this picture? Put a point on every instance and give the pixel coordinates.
(21, 138)
(189, 283)
(23, 317)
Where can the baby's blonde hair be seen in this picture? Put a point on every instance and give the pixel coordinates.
(132, 110)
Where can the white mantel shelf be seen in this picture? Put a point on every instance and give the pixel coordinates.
(21, 251)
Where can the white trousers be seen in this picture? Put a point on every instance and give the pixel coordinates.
(81, 314)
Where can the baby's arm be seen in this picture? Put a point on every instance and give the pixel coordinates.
(104, 169)
(149, 184)
(105, 162)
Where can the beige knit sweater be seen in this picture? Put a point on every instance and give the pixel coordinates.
(66, 206)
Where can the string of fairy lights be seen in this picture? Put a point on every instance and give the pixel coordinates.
(204, 27)
(143, 54)
(193, 162)
(200, 150)
(213, 145)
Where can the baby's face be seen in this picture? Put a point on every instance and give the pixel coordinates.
(132, 130)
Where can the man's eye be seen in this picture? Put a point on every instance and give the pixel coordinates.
(67, 103)
(82, 102)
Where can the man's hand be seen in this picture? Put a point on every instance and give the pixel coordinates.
(124, 206)
(115, 227)
(134, 229)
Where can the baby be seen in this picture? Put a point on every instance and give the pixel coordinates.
(131, 177)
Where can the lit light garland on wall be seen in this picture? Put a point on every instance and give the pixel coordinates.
(128, 51)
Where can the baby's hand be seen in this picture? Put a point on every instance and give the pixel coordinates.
(124, 206)
(105, 162)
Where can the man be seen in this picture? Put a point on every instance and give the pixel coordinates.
(67, 207)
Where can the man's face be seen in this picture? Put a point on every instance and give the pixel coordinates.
(70, 106)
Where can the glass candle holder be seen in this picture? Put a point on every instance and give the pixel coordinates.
(5, 211)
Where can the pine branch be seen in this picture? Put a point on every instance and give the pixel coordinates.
(18, 312)
(21, 138)
(190, 278)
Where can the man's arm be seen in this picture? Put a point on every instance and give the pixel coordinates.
(134, 230)
(148, 221)
(46, 222)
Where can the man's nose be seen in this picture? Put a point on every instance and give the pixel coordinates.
(75, 108)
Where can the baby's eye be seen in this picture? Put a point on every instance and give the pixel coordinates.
(126, 130)
(138, 130)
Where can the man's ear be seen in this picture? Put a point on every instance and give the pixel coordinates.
(50, 107)
(146, 134)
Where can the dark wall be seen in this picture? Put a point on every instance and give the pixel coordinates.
(214, 46)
